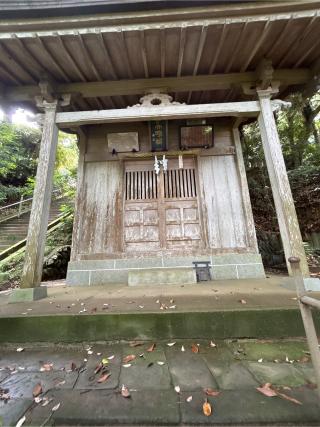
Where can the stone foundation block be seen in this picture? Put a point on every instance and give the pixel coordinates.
(28, 294)
(165, 276)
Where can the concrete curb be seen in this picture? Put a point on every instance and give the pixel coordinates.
(255, 323)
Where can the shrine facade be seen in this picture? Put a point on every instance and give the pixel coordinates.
(157, 94)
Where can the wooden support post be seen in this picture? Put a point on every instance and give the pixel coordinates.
(251, 231)
(32, 271)
(286, 213)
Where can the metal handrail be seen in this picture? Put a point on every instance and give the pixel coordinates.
(15, 204)
(306, 304)
(21, 201)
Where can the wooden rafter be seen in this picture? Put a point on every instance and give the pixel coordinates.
(192, 17)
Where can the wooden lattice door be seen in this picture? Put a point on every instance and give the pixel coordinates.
(161, 211)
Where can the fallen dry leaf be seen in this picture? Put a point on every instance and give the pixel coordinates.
(46, 401)
(98, 368)
(206, 408)
(304, 359)
(37, 389)
(56, 407)
(21, 421)
(211, 392)
(46, 367)
(125, 391)
(129, 358)
(60, 383)
(104, 378)
(135, 343)
(151, 348)
(291, 399)
(242, 301)
(267, 390)
(194, 348)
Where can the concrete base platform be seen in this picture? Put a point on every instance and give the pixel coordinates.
(164, 276)
(221, 309)
(103, 272)
(27, 295)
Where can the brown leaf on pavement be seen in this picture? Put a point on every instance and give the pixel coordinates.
(46, 367)
(291, 399)
(37, 389)
(211, 392)
(267, 390)
(194, 348)
(129, 358)
(206, 407)
(125, 391)
(151, 348)
(104, 378)
(135, 343)
(98, 368)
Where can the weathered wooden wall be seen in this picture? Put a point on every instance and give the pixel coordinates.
(222, 204)
(101, 209)
(100, 201)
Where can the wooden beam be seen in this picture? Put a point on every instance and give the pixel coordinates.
(298, 76)
(171, 112)
(213, 151)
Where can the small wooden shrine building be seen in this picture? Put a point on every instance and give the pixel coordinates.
(156, 92)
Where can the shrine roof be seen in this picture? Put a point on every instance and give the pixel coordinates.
(198, 54)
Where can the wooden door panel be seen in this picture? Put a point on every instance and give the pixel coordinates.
(182, 223)
(161, 212)
(141, 226)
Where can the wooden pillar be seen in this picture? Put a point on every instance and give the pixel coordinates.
(251, 230)
(32, 271)
(286, 213)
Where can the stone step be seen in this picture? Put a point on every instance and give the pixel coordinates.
(162, 276)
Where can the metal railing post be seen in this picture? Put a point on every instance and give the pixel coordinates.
(20, 206)
(306, 314)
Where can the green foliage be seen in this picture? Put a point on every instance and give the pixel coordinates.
(298, 128)
(65, 172)
(18, 158)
